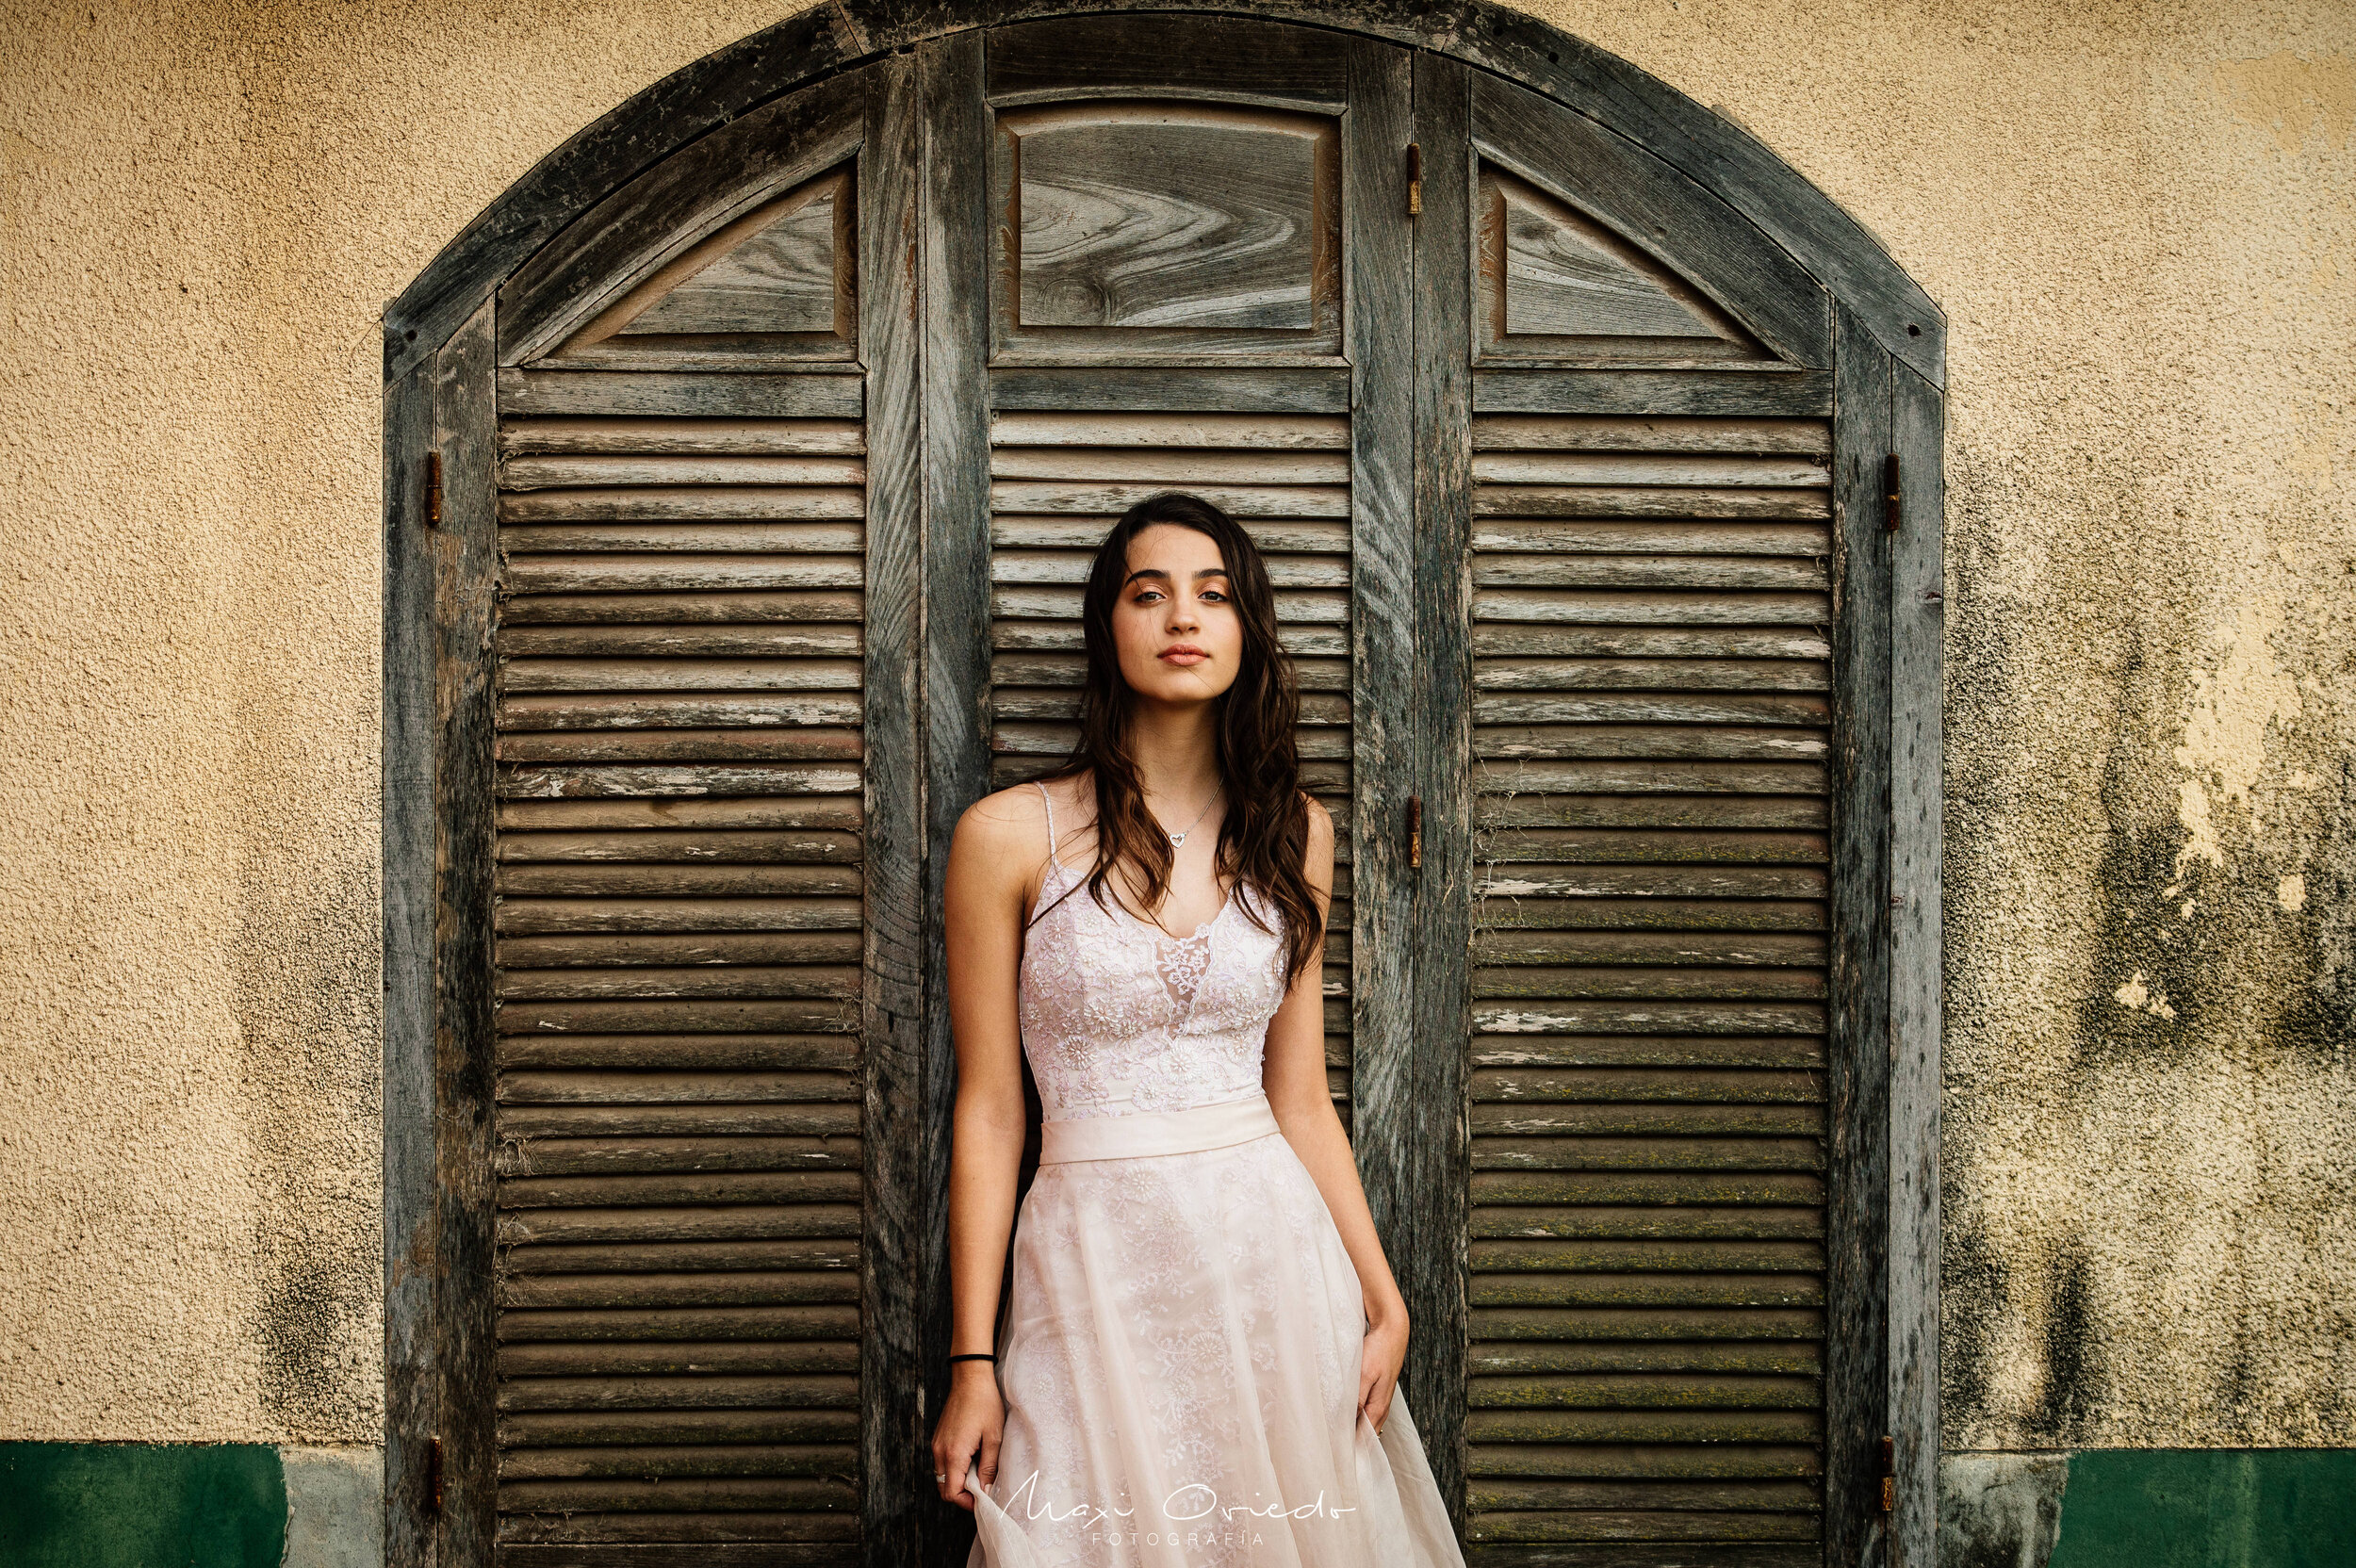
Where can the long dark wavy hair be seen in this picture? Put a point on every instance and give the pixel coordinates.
(1263, 834)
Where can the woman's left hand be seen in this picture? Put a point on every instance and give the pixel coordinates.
(1384, 1352)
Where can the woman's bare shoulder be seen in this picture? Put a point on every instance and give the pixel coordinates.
(1005, 820)
(1319, 858)
(1320, 820)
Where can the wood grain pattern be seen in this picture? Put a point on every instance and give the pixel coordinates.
(1287, 389)
(1641, 393)
(956, 419)
(1554, 283)
(1427, 1123)
(786, 397)
(467, 543)
(774, 271)
(1856, 1383)
(1207, 220)
(1702, 241)
(1157, 227)
(1916, 624)
(656, 218)
(904, 1171)
(413, 1392)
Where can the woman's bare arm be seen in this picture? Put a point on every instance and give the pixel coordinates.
(1294, 1075)
(991, 856)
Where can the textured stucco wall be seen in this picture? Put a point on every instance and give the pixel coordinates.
(2137, 218)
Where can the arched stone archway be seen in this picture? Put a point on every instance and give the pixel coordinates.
(736, 458)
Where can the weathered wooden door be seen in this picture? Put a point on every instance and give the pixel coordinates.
(1636, 773)
(658, 457)
(766, 490)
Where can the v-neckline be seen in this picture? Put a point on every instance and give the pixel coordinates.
(1161, 933)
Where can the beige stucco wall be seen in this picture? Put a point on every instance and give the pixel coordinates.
(2138, 219)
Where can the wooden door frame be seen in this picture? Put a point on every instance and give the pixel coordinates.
(1888, 373)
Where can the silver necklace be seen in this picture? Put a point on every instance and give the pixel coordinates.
(1178, 838)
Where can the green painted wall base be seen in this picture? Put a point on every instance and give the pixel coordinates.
(2224, 1508)
(137, 1505)
(176, 1505)
(2148, 1507)
(125, 1505)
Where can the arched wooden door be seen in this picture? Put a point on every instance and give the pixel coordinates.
(758, 492)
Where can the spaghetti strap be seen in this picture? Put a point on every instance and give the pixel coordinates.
(1051, 822)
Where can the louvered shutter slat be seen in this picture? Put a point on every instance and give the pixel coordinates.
(678, 972)
(1649, 730)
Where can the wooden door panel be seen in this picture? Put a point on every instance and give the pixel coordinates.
(1649, 571)
(679, 922)
(698, 210)
(1136, 217)
(1557, 283)
(681, 845)
(1649, 739)
(1662, 222)
(1150, 227)
(779, 282)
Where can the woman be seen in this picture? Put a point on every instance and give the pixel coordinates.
(1203, 1339)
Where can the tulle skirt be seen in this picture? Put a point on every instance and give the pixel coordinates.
(1180, 1370)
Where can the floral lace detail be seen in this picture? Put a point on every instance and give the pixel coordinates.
(1183, 964)
(1228, 1298)
(1118, 1016)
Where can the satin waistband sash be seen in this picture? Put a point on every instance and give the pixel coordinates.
(1142, 1133)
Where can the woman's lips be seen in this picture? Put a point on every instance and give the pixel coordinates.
(1184, 656)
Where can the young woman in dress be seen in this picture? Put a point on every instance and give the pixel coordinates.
(1203, 1340)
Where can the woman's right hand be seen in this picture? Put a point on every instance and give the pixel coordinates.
(971, 1423)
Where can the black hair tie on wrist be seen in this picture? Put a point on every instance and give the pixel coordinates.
(974, 1355)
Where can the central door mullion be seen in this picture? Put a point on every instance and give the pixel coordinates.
(951, 448)
(1434, 1134)
(904, 1147)
(1406, 1172)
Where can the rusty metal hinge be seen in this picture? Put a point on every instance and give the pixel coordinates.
(433, 489)
(434, 1477)
(1415, 179)
(1889, 494)
(1414, 832)
(1890, 1449)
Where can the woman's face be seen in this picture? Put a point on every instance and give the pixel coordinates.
(1174, 623)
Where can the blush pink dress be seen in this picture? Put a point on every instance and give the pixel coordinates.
(1181, 1358)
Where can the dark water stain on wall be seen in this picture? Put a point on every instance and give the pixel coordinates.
(306, 999)
(2074, 1384)
(2196, 954)
(1974, 1302)
(2330, 917)
(2141, 939)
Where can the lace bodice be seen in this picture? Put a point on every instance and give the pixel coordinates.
(1119, 1016)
